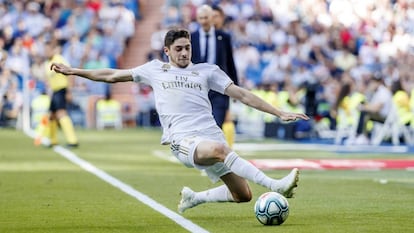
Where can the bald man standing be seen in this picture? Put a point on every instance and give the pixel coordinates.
(213, 46)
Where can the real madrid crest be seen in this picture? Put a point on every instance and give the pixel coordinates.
(166, 67)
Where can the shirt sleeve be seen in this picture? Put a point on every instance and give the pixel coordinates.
(143, 72)
(219, 80)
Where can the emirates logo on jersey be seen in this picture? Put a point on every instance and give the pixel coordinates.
(181, 85)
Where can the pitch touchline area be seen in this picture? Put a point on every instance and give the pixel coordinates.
(180, 220)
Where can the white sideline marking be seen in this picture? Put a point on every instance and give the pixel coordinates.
(180, 220)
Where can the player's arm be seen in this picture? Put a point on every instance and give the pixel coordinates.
(250, 99)
(101, 75)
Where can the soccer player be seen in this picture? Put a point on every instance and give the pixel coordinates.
(181, 93)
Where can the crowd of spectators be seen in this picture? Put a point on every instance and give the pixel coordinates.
(304, 51)
(91, 34)
(311, 48)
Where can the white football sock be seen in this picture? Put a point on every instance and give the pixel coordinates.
(245, 169)
(217, 194)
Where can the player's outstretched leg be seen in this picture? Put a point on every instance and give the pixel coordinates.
(190, 199)
(187, 200)
(287, 185)
(241, 167)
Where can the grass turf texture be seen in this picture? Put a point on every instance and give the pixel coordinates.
(40, 191)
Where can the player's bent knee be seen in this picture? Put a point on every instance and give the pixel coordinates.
(242, 197)
(220, 151)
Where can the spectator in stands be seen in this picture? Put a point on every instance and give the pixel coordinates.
(345, 60)
(37, 74)
(112, 48)
(74, 26)
(34, 20)
(134, 6)
(73, 50)
(244, 56)
(172, 17)
(368, 54)
(401, 99)
(218, 17)
(376, 108)
(7, 80)
(11, 97)
(6, 116)
(10, 106)
(3, 54)
(124, 23)
(344, 110)
(410, 88)
(257, 31)
(15, 11)
(18, 60)
(93, 5)
(157, 42)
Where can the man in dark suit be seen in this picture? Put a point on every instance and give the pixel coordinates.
(214, 46)
(219, 18)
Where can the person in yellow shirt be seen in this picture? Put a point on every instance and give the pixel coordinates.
(409, 84)
(401, 98)
(108, 112)
(345, 110)
(59, 84)
(348, 100)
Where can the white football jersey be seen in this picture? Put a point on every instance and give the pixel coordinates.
(181, 95)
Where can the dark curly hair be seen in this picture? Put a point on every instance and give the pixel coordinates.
(174, 34)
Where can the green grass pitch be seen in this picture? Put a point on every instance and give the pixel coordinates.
(41, 191)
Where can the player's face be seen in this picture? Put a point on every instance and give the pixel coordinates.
(179, 53)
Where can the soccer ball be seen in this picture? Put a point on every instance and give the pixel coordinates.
(271, 208)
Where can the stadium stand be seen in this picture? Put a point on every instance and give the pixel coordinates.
(91, 33)
(314, 45)
(307, 49)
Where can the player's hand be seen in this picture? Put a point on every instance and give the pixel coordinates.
(289, 116)
(61, 68)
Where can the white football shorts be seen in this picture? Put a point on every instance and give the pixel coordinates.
(184, 152)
